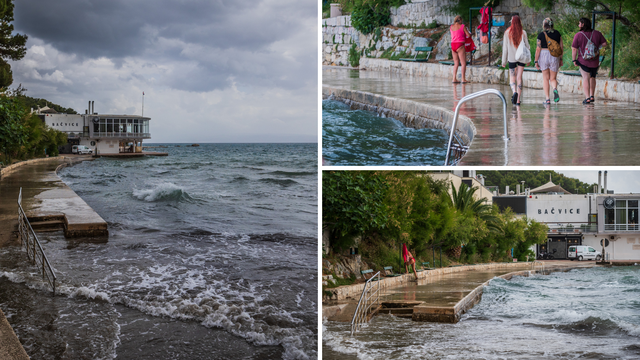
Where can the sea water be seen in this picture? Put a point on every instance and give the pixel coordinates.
(212, 253)
(581, 314)
(359, 137)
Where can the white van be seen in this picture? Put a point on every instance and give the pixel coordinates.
(81, 149)
(584, 253)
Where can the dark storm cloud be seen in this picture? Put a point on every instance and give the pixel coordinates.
(208, 41)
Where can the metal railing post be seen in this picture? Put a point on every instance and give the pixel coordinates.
(25, 229)
(454, 122)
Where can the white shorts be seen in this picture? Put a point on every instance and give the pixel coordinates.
(546, 61)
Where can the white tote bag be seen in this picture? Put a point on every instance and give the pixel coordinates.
(523, 54)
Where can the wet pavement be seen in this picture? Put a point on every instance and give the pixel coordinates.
(562, 134)
(446, 294)
(43, 194)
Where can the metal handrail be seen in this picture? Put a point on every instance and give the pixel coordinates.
(505, 137)
(35, 253)
(366, 301)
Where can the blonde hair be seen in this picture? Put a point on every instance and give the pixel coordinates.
(547, 24)
(457, 20)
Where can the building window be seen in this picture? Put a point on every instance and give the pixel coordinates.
(623, 217)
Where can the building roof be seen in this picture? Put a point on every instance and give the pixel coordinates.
(547, 188)
(46, 110)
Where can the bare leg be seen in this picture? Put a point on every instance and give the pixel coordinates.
(586, 82)
(406, 268)
(455, 66)
(552, 79)
(519, 71)
(592, 86)
(414, 270)
(512, 80)
(462, 57)
(545, 83)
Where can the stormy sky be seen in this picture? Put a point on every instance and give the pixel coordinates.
(211, 70)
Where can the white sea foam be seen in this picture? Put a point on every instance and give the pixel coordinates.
(162, 191)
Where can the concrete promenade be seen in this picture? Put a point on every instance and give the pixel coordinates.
(563, 134)
(44, 196)
(440, 295)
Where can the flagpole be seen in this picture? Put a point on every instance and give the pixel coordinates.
(143, 103)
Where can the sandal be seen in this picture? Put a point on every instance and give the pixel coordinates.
(586, 101)
(592, 99)
(547, 102)
(556, 96)
(518, 104)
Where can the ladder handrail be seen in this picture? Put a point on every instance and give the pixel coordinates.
(362, 310)
(457, 111)
(35, 254)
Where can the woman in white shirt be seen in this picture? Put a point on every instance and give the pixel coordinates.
(512, 38)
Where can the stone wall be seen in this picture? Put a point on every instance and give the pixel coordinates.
(354, 291)
(605, 88)
(421, 13)
(7, 169)
(411, 113)
(338, 36)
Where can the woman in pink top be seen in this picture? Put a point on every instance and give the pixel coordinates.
(459, 34)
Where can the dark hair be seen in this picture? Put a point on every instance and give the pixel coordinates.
(586, 24)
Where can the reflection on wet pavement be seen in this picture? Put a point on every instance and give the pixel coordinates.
(566, 133)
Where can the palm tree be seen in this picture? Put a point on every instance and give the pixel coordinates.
(463, 201)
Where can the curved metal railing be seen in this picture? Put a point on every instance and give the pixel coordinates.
(454, 123)
(31, 243)
(370, 296)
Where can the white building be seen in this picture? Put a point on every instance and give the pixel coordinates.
(582, 219)
(104, 133)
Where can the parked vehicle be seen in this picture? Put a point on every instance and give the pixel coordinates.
(81, 150)
(546, 256)
(582, 252)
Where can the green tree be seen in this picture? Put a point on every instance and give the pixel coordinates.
(12, 46)
(352, 204)
(13, 132)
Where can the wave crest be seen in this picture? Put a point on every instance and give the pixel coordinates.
(162, 192)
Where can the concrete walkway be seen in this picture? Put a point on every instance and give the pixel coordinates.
(10, 347)
(563, 134)
(44, 197)
(443, 298)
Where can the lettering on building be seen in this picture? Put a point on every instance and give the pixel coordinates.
(555, 211)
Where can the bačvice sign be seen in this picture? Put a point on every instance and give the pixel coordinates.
(558, 208)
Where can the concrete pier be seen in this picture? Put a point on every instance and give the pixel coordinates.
(45, 197)
(563, 134)
(440, 295)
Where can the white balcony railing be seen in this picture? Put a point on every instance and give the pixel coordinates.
(124, 135)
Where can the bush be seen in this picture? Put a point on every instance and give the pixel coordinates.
(354, 56)
(366, 16)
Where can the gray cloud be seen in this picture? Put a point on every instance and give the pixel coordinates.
(257, 55)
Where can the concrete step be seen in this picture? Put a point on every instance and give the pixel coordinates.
(47, 225)
(397, 311)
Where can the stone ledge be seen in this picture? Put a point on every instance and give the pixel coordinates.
(354, 291)
(412, 114)
(12, 167)
(605, 88)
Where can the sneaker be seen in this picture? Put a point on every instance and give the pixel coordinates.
(556, 96)
(514, 98)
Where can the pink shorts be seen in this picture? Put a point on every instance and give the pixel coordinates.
(456, 45)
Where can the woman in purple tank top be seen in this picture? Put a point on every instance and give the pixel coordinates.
(459, 34)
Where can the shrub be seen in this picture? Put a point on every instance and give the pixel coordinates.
(354, 56)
